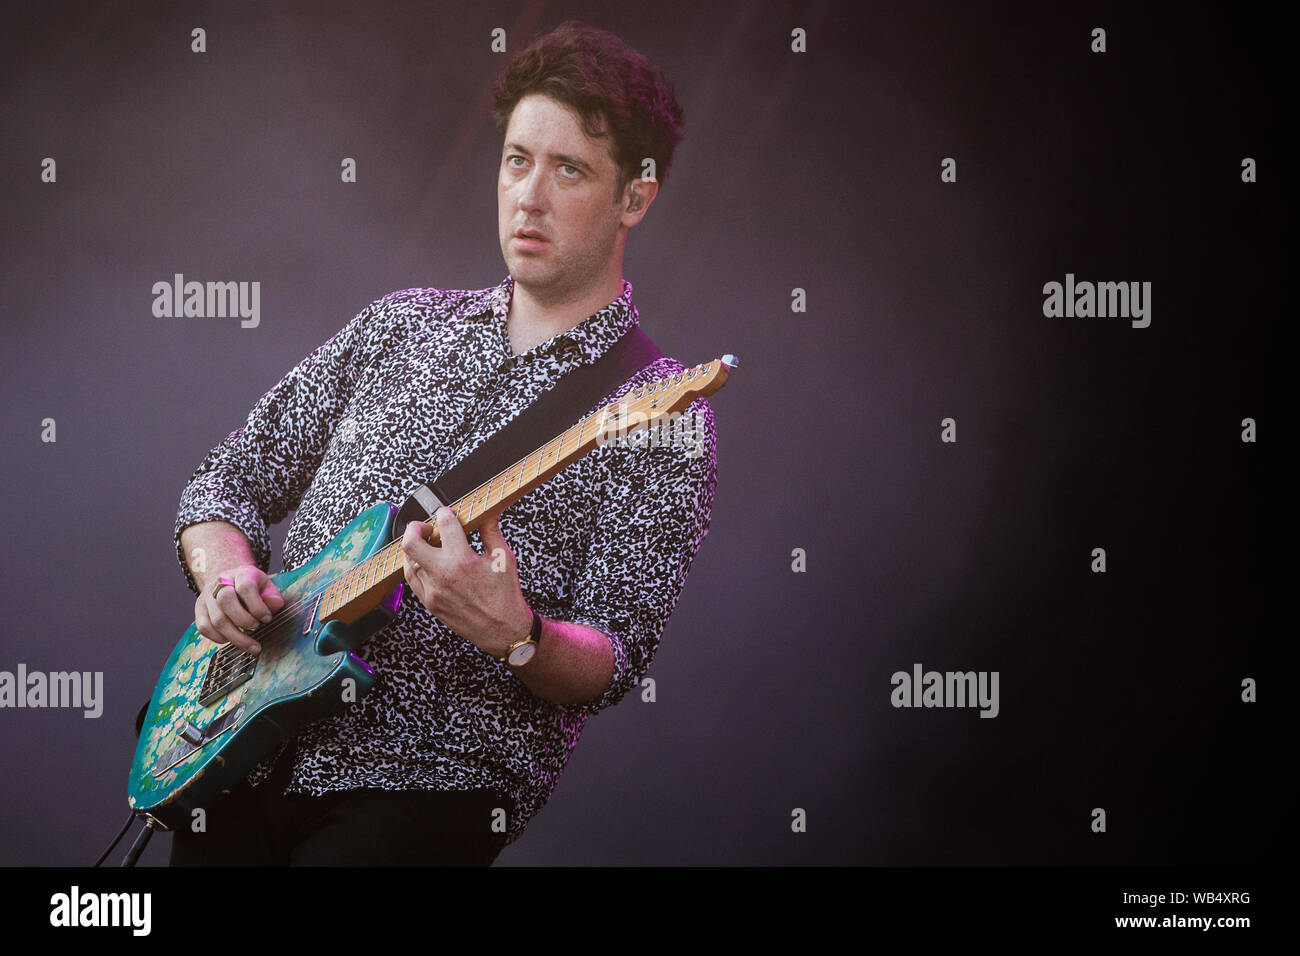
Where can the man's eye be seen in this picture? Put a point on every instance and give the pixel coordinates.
(570, 172)
(510, 161)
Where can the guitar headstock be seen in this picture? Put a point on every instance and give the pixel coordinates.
(644, 406)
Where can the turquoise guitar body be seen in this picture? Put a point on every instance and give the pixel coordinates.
(216, 711)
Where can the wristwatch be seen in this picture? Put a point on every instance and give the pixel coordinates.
(521, 652)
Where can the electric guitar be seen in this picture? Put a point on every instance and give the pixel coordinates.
(216, 710)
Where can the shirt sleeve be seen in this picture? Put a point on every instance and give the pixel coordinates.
(259, 472)
(651, 523)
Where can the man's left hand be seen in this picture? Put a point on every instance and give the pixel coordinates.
(476, 595)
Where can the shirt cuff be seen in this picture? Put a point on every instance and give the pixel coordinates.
(618, 626)
(242, 515)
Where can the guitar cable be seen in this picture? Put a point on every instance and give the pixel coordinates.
(116, 840)
(142, 839)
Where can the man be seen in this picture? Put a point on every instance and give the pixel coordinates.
(453, 750)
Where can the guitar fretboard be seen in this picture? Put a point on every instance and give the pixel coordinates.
(364, 586)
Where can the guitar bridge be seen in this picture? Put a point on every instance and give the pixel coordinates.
(192, 738)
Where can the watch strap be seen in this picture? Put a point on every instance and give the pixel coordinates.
(534, 634)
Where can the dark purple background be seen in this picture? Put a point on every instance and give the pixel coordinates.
(924, 301)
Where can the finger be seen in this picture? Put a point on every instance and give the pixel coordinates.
(204, 623)
(232, 606)
(452, 535)
(415, 546)
(411, 571)
(229, 628)
(493, 539)
(271, 596)
(491, 528)
(250, 596)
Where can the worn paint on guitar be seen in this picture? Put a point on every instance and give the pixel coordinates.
(292, 683)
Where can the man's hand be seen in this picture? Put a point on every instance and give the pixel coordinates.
(233, 610)
(476, 595)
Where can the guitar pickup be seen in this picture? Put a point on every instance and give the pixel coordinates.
(227, 669)
(193, 738)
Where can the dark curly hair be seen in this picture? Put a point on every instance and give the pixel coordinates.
(612, 87)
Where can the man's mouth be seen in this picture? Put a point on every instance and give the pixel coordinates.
(530, 234)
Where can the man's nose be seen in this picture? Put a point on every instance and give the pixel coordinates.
(532, 194)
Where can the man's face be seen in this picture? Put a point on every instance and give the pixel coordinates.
(557, 184)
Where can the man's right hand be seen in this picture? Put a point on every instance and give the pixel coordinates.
(234, 610)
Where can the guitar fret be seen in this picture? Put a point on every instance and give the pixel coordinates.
(366, 576)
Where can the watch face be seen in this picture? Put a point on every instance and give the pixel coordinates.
(523, 654)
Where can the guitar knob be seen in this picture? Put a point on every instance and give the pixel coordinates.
(191, 734)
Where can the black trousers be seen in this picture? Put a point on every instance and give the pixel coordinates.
(263, 826)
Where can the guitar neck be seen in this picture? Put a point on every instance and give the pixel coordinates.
(363, 588)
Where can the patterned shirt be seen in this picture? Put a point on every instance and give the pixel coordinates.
(408, 388)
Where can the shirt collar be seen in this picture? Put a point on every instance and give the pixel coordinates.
(588, 340)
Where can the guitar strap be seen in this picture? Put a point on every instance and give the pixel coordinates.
(562, 405)
(557, 409)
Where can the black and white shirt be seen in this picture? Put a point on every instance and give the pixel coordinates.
(402, 393)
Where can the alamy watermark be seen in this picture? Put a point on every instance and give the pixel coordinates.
(75, 908)
(922, 688)
(212, 300)
(1122, 300)
(684, 430)
(78, 689)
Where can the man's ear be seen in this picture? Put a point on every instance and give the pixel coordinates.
(638, 196)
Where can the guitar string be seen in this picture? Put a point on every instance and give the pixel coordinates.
(226, 668)
(287, 614)
(237, 659)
